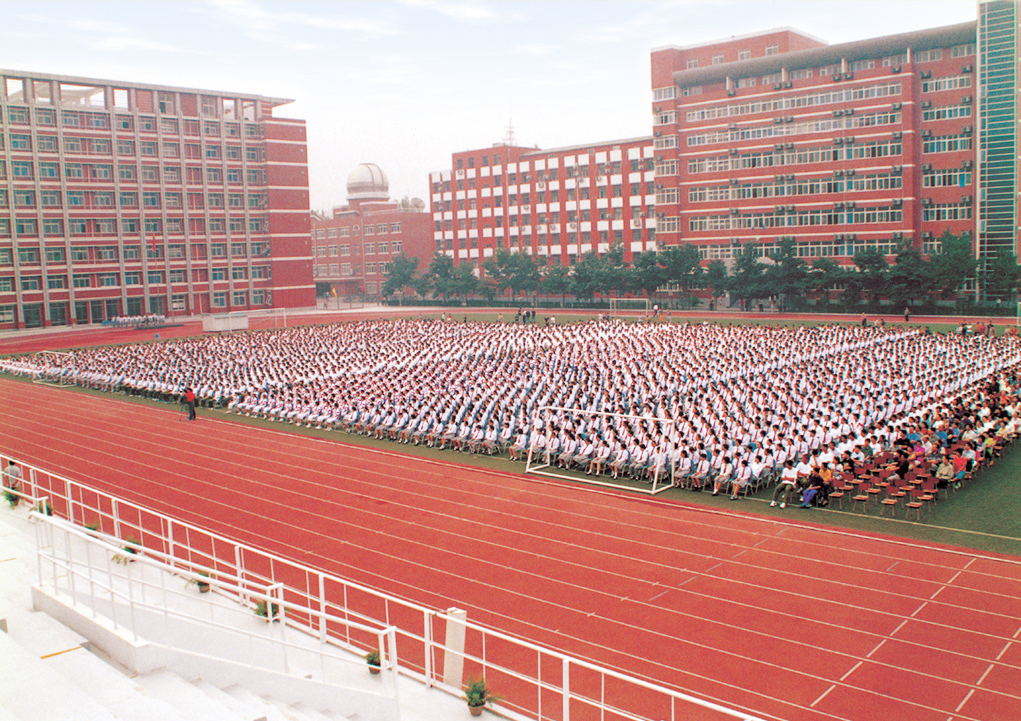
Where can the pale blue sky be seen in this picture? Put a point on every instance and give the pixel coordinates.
(404, 84)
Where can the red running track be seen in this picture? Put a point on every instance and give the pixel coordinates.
(783, 619)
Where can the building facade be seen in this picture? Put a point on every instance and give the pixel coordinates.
(553, 204)
(866, 144)
(126, 199)
(353, 249)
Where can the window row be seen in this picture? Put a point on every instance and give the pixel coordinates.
(742, 221)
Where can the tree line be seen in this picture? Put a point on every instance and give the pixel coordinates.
(754, 275)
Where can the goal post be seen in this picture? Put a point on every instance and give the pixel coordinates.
(51, 368)
(598, 424)
(630, 308)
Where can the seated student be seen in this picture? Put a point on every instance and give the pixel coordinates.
(701, 473)
(519, 446)
(788, 481)
(810, 491)
(491, 440)
(620, 461)
(600, 456)
(724, 476)
(945, 472)
(741, 480)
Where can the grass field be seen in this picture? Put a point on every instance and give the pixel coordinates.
(985, 514)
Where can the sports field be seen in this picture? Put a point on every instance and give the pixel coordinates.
(782, 615)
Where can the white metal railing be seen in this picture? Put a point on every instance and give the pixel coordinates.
(139, 591)
(537, 683)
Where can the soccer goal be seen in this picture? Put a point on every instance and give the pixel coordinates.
(630, 308)
(52, 368)
(542, 462)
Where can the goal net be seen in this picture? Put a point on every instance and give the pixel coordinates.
(630, 308)
(645, 466)
(52, 368)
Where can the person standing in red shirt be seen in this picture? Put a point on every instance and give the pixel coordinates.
(189, 398)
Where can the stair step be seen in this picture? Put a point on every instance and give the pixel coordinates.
(258, 703)
(189, 701)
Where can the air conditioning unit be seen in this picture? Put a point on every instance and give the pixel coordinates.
(777, 120)
(657, 133)
(926, 202)
(790, 178)
(541, 185)
(659, 186)
(838, 237)
(898, 106)
(925, 74)
(788, 84)
(849, 111)
(838, 141)
(851, 205)
(777, 86)
(554, 228)
(572, 226)
(897, 202)
(735, 211)
(732, 126)
(526, 208)
(780, 209)
(838, 206)
(849, 140)
(790, 208)
(897, 135)
(778, 178)
(966, 100)
(734, 151)
(967, 164)
(636, 224)
(966, 68)
(927, 168)
(966, 200)
(897, 236)
(849, 172)
(896, 68)
(790, 146)
(735, 181)
(657, 109)
(848, 76)
(660, 215)
(778, 146)
(927, 235)
(926, 104)
(837, 113)
(897, 169)
(789, 119)
(837, 77)
(731, 92)
(838, 173)
(966, 130)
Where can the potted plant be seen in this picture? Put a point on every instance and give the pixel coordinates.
(44, 508)
(477, 694)
(92, 527)
(11, 497)
(203, 586)
(129, 551)
(270, 612)
(372, 658)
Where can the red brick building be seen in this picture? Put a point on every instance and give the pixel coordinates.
(841, 147)
(353, 249)
(120, 198)
(554, 204)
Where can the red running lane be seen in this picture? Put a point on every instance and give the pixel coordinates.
(788, 620)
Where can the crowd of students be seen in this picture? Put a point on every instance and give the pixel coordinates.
(708, 406)
(152, 320)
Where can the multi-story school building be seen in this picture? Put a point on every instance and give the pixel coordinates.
(121, 199)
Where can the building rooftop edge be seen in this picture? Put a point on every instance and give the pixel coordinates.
(854, 50)
(746, 36)
(564, 148)
(81, 80)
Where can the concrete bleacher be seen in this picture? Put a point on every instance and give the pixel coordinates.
(52, 672)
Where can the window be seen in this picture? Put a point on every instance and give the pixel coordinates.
(82, 281)
(21, 169)
(108, 279)
(46, 144)
(56, 282)
(717, 59)
(156, 277)
(126, 172)
(744, 54)
(55, 256)
(240, 297)
(31, 282)
(133, 278)
(21, 141)
(692, 63)
(28, 256)
(53, 227)
(772, 50)
(220, 299)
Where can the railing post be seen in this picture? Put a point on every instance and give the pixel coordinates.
(116, 518)
(427, 636)
(322, 608)
(566, 713)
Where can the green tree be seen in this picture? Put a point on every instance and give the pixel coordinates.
(587, 276)
(441, 273)
(613, 271)
(1002, 276)
(523, 274)
(464, 281)
(909, 278)
(499, 268)
(746, 283)
(872, 269)
(717, 279)
(556, 281)
(954, 264)
(400, 276)
(788, 276)
(825, 274)
(646, 275)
